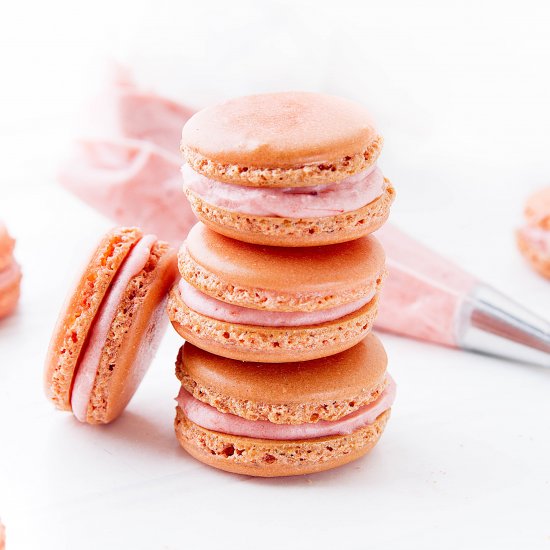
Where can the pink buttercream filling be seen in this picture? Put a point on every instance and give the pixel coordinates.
(210, 418)
(538, 237)
(346, 195)
(222, 311)
(89, 362)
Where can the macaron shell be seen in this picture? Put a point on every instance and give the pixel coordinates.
(280, 130)
(267, 458)
(134, 336)
(361, 368)
(78, 313)
(270, 344)
(281, 139)
(295, 232)
(301, 279)
(539, 261)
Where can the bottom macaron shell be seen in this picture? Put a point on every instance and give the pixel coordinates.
(274, 231)
(135, 334)
(538, 260)
(267, 458)
(270, 344)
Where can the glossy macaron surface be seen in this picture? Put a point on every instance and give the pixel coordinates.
(282, 130)
(322, 272)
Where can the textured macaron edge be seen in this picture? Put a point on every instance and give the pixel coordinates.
(315, 173)
(269, 458)
(537, 259)
(268, 300)
(270, 344)
(279, 413)
(281, 231)
(114, 350)
(78, 314)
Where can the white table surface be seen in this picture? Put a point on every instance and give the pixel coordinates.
(465, 460)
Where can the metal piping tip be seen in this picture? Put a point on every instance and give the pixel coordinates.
(491, 323)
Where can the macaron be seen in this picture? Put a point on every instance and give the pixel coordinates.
(110, 326)
(285, 419)
(533, 238)
(10, 274)
(275, 304)
(2, 536)
(286, 169)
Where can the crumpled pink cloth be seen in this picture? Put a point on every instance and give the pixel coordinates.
(126, 163)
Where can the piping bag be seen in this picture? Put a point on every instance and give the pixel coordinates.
(128, 167)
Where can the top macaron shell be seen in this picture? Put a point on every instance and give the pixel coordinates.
(249, 140)
(280, 278)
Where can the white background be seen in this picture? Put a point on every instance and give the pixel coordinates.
(461, 92)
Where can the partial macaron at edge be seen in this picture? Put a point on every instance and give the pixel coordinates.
(281, 139)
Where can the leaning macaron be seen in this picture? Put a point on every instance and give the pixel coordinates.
(286, 419)
(534, 237)
(286, 169)
(110, 326)
(275, 304)
(10, 274)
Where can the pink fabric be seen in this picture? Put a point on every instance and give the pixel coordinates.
(206, 305)
(210, 418)
(89, 362)
(126, 161)
(346, 195)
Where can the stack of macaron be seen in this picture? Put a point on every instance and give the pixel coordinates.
(10, 274)
(280, 281)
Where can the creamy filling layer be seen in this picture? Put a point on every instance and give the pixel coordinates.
(211, 307)
(209, 417)
(538, 237)
(346, 195)
(99, 331)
